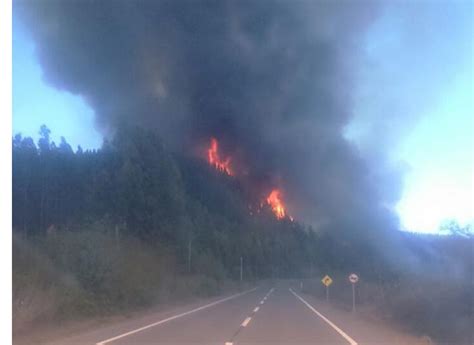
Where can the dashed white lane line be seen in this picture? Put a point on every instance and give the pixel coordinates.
(173, 317)
(330, 323)
(246, 321)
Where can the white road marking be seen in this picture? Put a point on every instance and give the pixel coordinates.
(246, 321)
(173, 317)
(266, 296)
(340, 331)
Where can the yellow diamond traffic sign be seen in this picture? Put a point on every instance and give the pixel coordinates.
(327, 280)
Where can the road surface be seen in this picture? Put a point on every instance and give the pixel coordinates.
(277, 314)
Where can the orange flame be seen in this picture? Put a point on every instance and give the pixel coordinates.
(276, 203)
(216, 161)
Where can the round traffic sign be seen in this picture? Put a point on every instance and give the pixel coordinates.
(353, 278)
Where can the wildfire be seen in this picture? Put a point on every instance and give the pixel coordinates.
(214, 159)
(275, 201)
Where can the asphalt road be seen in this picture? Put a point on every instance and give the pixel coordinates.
(265, 315)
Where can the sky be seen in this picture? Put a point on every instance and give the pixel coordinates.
(420, 122)
(415, 102)
(36, 103)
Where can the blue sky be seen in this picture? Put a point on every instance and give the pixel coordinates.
(413, 108)
(35, 103)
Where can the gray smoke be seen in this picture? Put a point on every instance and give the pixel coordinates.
(272, 80)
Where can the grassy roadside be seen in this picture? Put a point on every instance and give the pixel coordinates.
(69, 331)
(436, 310)
(70, 277)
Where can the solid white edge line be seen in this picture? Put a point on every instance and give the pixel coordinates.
(246, 321)
(173, 317)
(340, 331)
(256, 309)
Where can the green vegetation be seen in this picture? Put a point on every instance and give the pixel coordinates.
(133, 225)
(77, 274)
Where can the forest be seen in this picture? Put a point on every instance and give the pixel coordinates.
(134, 224)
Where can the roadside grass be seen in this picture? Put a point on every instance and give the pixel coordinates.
(74, 275)
(441, 310)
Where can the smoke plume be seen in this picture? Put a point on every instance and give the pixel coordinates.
(271, 80)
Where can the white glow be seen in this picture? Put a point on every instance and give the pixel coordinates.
(433, 199)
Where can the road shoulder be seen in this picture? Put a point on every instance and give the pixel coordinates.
(93, 329)
(363, 330)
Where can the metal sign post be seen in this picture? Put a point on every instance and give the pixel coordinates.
(353, 299)
(190, 245)
(353, 278)
(241, 268)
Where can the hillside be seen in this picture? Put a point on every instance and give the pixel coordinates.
(134, 224)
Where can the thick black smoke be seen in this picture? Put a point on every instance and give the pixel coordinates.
(272, 80)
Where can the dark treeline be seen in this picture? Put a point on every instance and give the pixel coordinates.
(132, 224)
(135, 188)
